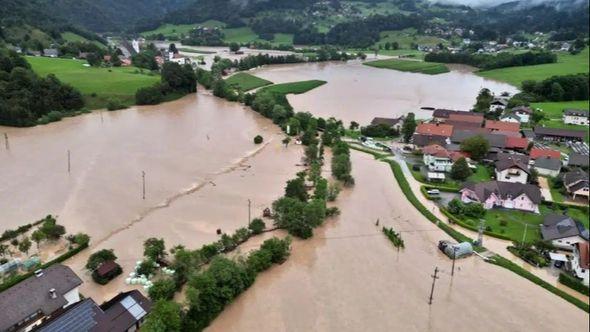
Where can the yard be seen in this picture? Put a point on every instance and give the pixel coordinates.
(566, 64)
(511, 223)
(554, 113)
(410, 66)
(105, 83)
(246, 82)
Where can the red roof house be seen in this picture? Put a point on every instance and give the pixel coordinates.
(538, 153)
(502, 126)
(516, 142)
(437, 129)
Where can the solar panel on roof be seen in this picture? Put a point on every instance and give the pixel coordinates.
(133, 307)
(79, 318)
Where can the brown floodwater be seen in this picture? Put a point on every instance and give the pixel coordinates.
(349, 277)
(356, 92)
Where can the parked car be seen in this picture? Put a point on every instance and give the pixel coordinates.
(433, 192)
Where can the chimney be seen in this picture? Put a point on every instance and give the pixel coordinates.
(52, 293)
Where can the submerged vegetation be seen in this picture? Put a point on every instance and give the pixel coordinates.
(413, 66)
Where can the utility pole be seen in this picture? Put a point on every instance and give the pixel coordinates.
(6, 141)
(480, 232)
(143, 183)
(69, 163)
(249, 206)
(524, 234)
(454, 257)
(434, 277)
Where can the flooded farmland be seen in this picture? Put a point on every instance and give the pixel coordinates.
(356, 92)
(201, 167)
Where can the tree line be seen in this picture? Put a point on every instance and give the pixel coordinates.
(488, 61)
(175, 80)
(27, 99)
(557, 88)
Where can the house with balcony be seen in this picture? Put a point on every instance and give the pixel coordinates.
(439, 159)
(512, 168)
(575, 117)
(576, 184)
(562, 231)
(507, 195)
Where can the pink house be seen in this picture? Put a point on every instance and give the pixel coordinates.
(491, 194)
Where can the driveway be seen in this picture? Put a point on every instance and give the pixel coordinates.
(545, 191)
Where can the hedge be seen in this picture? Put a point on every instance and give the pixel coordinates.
(463, 224)
(424, 192)
(442, 188)
(573, 283)
(375, 154)
(15, 280)
(505, 263)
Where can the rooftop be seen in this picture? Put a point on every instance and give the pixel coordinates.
(387, 121)
(35, 290)
(435, 129)
(538, 153)
(502, 126)
(557, 226)
(560, 132)
(483, 190)
(548, 163)
(575, 112)
(516, 142)
(506, 161)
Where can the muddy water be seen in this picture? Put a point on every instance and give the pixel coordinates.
(200, 163)
(350, 278)
(356, 92)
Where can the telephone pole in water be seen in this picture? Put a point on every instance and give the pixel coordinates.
(434, 277)
(249, 206)
(69, 163)
(143, 183)
(6, 141)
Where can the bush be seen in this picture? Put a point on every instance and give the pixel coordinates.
(573, 283)
(146, 267)
(258, 139)
(279, 249)
(151, 95)
(114, 104)
(162, 289)
(99, 257)
(257, 226)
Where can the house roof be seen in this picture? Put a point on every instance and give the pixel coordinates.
(444, 113)
(467, 117)
(516, 142)
(437, 129)
(36, 292)
(499, 102)
(538, 153)
(558, 226)
(106, 267)
(575, 176)
(575, 112)
(387, 121)
(495, 140)
(510, 115)
(523, 109)
(440, 152)
(548, 163)
(502, 126)
(577, 159)
(483, 190)
(560, 132)
(424, 140)
(118, 314)
(584, 250)
(506, 161)
(528, 133)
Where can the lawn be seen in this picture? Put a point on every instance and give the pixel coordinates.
(566, 64)
(554, 110)
(283, 39)
(481, 174)
(294, 87)
(410, 66)
(72, 37)
(117, 82)
(240, 35)
(515, 222)
(246, 82)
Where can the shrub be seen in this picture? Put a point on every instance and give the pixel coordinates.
(151, 95)
(573, 283)
(99, 257)
(162, 289)
(114, 104)
(257, 226)
(258, 139)
(279, 249)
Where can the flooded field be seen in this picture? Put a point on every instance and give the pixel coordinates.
(349, 277)
(356, 92)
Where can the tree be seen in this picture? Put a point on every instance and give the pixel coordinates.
(93, 59)
(81, 239)
(460, 170)
(154, 249)
(100, 257)
(409, 127)
(476, 146)
(165, 316)
(258, 139)
(556, 92)
(146, 267)
(353, 125)
(24, 246)
(162, 289)
(234, 47)
(296, 189)
(279, 249)
(483, 101)
(456, 207)
(51, 229)
(3, 249)
(286, 141)
(38, 236)
(257, 226)
(172, 48)
(150, 95)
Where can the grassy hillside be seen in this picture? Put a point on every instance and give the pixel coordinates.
(294, 87)
(97, 84)
(405, 38)
(566, 64)
(72, 37)
(174, 30)
(246, 82)
(410, 66)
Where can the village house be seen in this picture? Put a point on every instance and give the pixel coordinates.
(576, 183)
(524, 113)
(423, 140)
(439, 159)
(547, 166)
(495, 140)
(559, 134)
(503, 127)
(125, 312)
(544, 153)
(516, 143)
(41, 295)
(511, 117)
(50, 52)
(563, 231)
(498, 105)
(575, 117)
(512, 168)
(508, 195)
(577, 160)
(393, 123)
(581, 262)
(434, 129)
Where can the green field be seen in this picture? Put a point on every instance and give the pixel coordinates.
(72, 37)
(554, 113)
(116, 82)
(405, 38)
(294, 87)
(410, 66)
(283, 38)
(481, 174)
(174, 31)
(566, 64)
(246, 82)
(240, 35)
